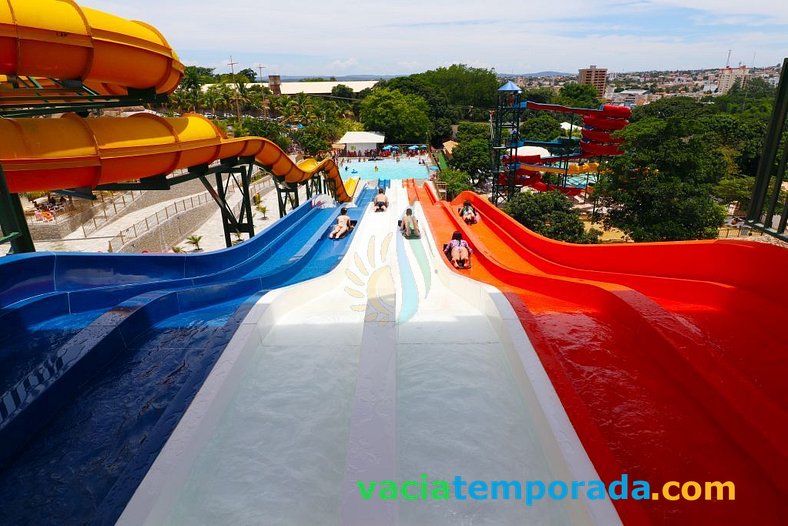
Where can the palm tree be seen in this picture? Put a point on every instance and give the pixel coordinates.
(192, 84)
(195, 241)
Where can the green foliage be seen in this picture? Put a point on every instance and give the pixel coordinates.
(578, 96)
(543, 95)
(246, 75)
(540, 126)
(456, 181)
(271, 130)
(468, 131)
(471, 156)
(341, 90)
(402, 118)
(441, 114)
(682, 108)
(464, 85)
(650, 208)
(756, 98)
(312, 139)
(550, 214)
(735, 189)
(194, 241)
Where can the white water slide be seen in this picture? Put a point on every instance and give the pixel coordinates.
(391, 367)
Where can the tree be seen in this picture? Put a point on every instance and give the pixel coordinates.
(465, 86)
(472, 156)
(246, 75)
(551, 215)
(735, 190)
(441, 114)
(192, 85)
(402, 118)
(660, 189)
(456, 181)
(269, 129)
(540, 126)
(341, 90)
(468, 131)
(578, 96)
(311, 141)
(542, 95)
(649, 208)
(194, 241)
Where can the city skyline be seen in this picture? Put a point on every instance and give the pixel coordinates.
(373, 38)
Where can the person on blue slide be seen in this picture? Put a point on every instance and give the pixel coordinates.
(342, 227)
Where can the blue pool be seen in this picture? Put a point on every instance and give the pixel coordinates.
(387, 169)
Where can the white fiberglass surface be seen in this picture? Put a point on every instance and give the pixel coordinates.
(278, 453)
(460, 412)
(294, 436)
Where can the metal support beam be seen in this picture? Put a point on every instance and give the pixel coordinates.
(763, 204)
(231, 224)
(285, 193)
(155, 182)
(12, 220)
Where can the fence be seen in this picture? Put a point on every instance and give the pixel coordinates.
(739, 231)
(118, 203)
(131, 233)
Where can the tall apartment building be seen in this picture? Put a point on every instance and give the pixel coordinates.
(729, 76)
(596, 77)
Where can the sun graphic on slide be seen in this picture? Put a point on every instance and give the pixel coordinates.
(373, 282)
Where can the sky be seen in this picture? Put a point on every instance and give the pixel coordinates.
(346, 37)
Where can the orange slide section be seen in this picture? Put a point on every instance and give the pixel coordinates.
(59, 39)
(71, 152)
(649, 347)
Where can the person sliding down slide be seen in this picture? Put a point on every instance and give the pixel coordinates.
(381, 201)
(409, 225)
(342, 227)
(468, 213)
(458, 251)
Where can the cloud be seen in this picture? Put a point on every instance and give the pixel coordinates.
(410, 35)
(343, 64)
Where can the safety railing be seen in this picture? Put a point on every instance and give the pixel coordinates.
(144, 226)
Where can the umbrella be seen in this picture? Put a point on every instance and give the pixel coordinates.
(414, 147)
(391, 147)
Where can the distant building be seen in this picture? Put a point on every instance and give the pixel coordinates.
(596, 77)
(278, 87)
(728, 77)
(630, 97)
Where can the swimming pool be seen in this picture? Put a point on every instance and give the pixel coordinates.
(387, 169)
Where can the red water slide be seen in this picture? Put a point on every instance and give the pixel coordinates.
(598, 124)
(653, 352)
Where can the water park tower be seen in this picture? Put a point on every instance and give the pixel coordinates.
(506, 126)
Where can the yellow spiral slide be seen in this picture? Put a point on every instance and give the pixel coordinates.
(59, 39)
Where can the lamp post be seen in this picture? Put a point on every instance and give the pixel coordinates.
(260, 68)
(237, 103)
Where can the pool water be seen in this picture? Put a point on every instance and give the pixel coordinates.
(387, 169)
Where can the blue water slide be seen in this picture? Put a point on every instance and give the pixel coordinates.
(94, 384)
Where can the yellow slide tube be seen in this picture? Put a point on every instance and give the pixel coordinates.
(59, 39)
(71, 152)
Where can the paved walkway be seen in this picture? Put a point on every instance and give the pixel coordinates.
(98, 240)
(212, 231)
